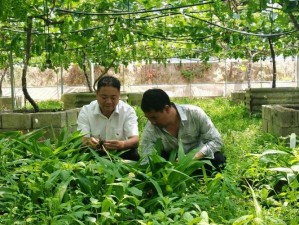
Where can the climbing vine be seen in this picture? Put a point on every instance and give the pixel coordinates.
(115, 32)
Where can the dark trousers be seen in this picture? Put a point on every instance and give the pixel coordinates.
(218, 162)
(131, 154)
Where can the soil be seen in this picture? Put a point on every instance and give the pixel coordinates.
(33, 111)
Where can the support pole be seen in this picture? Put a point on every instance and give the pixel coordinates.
(61, 79)
(225, 82)
(13, 102)
(92, 72)
(123, 74)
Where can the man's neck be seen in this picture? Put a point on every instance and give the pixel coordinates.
(174, 124)
(107, 114)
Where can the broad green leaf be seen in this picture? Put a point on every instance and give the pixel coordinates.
(204, 218)
(243, 220)
(52, 179)
(85, 184)
(61, 189)
(257, 206)
(95, 203)
(181, 152)
(135, 191)
(295, 168)
(107, 203)
(273, 151)
(281, 169)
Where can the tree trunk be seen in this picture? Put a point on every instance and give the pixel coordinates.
(249, 67)
(85, 71)
(103, 73)
(248, 71)
(2, 79)
(294, 21)
(273, 62)
(230, 74)
(26, 63)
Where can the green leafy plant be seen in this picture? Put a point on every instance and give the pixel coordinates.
(188, 74)
(47, 105)
(61, 182)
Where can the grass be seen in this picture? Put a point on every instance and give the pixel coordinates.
(243, 138)
(61, 183)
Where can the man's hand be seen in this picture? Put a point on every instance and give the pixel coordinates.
(198, 155)
(92, 142)
(114, 145)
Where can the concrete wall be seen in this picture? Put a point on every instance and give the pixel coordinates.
(183, 90)
(49, 121)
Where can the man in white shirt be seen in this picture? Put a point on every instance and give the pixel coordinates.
(108, 122)
(172, 123)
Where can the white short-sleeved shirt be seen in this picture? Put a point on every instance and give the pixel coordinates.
(196, 131)
(121, 125)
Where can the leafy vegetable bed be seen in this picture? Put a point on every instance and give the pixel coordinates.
(62, 183)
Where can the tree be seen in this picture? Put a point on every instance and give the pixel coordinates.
(110, 33)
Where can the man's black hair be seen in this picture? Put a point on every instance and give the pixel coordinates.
(108, 81)
(154, 100)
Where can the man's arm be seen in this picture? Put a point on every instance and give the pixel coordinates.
(84, 127)
(199, 155)
(148, 140)
(211, 141)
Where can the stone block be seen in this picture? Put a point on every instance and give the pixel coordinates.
(52, 133)
(49, 119)
(283, 121)
(276, 130)
(285, 117)
(20, 121)
(256, 97)
(266, 112)
(52, 123)
(72, 129)
(270, 126)
(238, 97)
(286, 131)
(71, 116)
(265, 125)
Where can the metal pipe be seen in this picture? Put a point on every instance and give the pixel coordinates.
(12, 80)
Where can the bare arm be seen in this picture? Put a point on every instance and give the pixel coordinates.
(199, 155)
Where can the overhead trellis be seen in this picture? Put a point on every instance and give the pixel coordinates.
(48, 62)
(118, 32)
(145, 28)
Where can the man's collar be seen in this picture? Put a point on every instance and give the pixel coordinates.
(97, 110)
(181, 112)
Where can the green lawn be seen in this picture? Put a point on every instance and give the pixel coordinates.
(44, 182)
